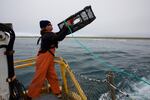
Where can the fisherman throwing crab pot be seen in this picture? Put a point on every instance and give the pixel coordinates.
(45, 60)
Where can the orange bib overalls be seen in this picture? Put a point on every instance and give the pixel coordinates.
(44, 70)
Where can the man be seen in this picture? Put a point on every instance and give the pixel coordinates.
(45, 60)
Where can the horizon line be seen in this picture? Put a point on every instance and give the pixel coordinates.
(94, 37)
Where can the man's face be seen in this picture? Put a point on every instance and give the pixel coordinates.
(49, 27)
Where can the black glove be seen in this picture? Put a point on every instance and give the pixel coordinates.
(65, 30)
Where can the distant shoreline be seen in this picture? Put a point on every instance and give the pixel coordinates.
(138, 38)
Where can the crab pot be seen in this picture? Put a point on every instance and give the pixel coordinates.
(78, 20)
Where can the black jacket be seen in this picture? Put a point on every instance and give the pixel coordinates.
(50, 40)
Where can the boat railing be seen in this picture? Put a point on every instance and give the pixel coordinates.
(65, 70)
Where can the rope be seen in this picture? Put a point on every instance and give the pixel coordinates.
(118, 90)
(125, 94)
(94, 56)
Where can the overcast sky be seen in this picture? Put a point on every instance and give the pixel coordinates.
(113, 17)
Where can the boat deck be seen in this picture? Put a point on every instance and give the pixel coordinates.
(47, 97)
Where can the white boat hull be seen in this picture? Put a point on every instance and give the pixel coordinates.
(4, 86)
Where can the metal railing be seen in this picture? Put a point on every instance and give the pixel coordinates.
(64, 69)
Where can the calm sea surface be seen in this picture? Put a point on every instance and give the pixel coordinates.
(93, 58)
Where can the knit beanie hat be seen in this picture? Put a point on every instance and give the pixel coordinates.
(44, 23)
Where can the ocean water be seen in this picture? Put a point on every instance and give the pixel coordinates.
(93, 58)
